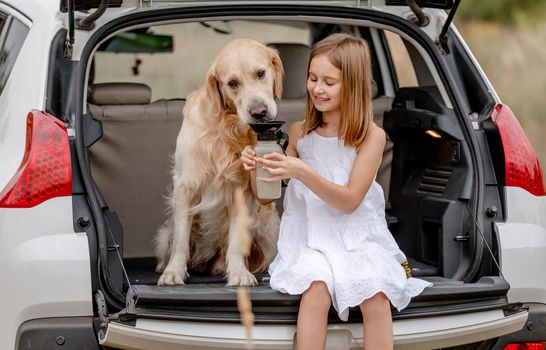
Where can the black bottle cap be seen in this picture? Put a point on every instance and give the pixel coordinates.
(267, 131)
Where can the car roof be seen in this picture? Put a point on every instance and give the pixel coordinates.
(36, 11)
(48, 13)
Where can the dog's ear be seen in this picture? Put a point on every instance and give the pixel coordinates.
(213, 90)
(279, 73)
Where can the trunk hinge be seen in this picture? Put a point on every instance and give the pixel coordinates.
(442, 38)
(88, 23)
(421, 20)
(69, 42)
(128, 315)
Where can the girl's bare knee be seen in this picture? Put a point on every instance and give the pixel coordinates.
(377, 301)
(319, 288)
(318, 294)
(318, 284)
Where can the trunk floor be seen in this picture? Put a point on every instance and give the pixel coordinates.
(142, 271)
(210, 294)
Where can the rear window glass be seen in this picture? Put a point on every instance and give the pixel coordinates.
(2, 21)
(13, 34)
(180, 54)
(404, 70)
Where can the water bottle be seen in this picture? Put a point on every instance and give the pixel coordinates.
(267, 143)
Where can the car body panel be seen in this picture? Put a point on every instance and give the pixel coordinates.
(523, 241)
(49, 262)
(21, 96)
(492, 91)
(38, 246)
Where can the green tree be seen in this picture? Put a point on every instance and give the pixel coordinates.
(506, 11)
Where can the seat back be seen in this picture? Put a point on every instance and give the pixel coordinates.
(131, 163)
(291, 107)
(380, 105)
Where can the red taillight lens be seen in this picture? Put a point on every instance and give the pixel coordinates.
(522, 168)
(45, 171)
(526, 346)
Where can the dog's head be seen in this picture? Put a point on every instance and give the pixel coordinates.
(244, 79)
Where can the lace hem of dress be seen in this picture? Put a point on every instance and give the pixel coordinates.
(303, 283)
(399, 297)
(343, 298)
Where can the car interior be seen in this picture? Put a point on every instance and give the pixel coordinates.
(139, 115)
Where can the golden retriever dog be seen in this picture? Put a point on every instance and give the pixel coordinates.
(202, 233)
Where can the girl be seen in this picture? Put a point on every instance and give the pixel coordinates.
(334, 245)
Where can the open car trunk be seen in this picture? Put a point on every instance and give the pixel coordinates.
(430, 179)
(428, 212)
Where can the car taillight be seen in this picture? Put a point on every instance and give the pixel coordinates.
(526, 346)
(45, 171)
(522, 168)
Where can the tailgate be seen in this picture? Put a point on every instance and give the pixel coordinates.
(205, 316)
(421, 333)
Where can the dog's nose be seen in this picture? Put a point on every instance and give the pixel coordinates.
(258, 111)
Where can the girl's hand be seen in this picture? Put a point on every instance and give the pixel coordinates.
(281, 167)
(248, 156)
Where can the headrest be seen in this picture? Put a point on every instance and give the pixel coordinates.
(294, 59)
(119, 94)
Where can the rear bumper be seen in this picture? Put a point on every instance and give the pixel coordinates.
(409, 334)
(533, 331)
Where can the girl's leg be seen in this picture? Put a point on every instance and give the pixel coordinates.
(376, 312)
(313, 317)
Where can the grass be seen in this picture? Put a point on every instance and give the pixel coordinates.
(514, 59)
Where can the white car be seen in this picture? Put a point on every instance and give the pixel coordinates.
(90, 106)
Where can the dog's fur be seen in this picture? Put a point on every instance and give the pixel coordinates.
(202, 232)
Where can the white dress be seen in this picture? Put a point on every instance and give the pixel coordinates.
(355, 254)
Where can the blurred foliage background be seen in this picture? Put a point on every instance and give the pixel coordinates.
(505, 11)
(508, 38)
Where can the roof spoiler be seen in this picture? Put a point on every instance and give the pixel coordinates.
(81, 5)
(440, 4)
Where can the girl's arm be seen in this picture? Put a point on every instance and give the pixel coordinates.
(293, 136)
(344, 198)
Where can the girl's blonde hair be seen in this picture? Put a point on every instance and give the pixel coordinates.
(351, 55)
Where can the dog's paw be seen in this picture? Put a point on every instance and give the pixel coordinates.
(172, 277)
(241, 278)
(160, 268)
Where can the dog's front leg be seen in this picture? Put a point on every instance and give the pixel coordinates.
(237, 271)
(176, 270)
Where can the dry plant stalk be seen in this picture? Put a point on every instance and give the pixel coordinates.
(247, 317)
(244, 304)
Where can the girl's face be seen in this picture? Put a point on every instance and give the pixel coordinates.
(324, 84)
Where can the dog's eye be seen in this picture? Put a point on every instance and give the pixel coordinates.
(260, 74)
(233, 84)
